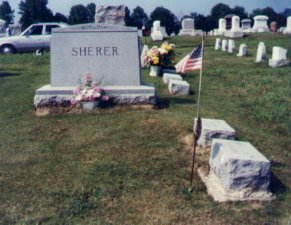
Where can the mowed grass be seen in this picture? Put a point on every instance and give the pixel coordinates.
(127, 166)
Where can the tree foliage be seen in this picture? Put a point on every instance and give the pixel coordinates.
(138, 17)
(33, 11)
(6, 13)
(91, 10)
(220, 10)
(167, 18)
(78, 14)
(59, 17)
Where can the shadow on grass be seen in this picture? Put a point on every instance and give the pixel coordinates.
(179, 100)
(276, 186)
(8, 74)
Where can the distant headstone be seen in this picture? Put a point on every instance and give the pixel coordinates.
(169, 76)
(279, 57)
(179, 87)
(224, 45)
(15, 29)
(273, 26)
(246, 24)
(236, 31)
(143, 55)
(261, 53)
(156, 34)
(214, 128)
(221, 26)
(243, 49)
(110, 15)
(287, 30)
(2, 26)
(260, 24)
(164, 33)
(231, 46)
(187, 27)
(217, 43)
(109, 53)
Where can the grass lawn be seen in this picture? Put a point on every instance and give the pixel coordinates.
(128, 166)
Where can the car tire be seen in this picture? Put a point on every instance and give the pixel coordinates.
(7, 50)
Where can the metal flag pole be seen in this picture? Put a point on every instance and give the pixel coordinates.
(197, 123)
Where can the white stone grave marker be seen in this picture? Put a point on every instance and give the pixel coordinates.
(243, 49)
(261, 53)
(217, 43)
(279, 57)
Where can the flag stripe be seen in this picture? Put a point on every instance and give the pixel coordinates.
(192, 61)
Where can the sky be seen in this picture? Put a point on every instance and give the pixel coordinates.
(178, 7)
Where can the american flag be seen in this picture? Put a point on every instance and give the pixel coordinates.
(192, 61)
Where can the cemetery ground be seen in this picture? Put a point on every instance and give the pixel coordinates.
(124, 165)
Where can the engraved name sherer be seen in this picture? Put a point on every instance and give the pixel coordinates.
(95, 51)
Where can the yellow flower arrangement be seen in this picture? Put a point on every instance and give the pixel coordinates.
(163, 55)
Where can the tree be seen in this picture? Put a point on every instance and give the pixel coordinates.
(139, 17)
(127, 18)
(78, 14)
(58, 17)
(167, 18)
(239, 11)
(220, 10)
(6, 13)
(34, 11)
(91, 10)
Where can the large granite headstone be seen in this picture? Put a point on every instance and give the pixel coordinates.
(109, 53)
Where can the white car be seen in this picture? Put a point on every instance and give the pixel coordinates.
(35, 37)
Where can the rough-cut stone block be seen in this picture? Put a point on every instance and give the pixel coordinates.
(239, 165)
(179, 87)
(213, 128)
(168, 76)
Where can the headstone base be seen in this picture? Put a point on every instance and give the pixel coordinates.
(157, 36)
(55, 96)
(185, 32)
(217, 192)
(278, 63)
(234, 34)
